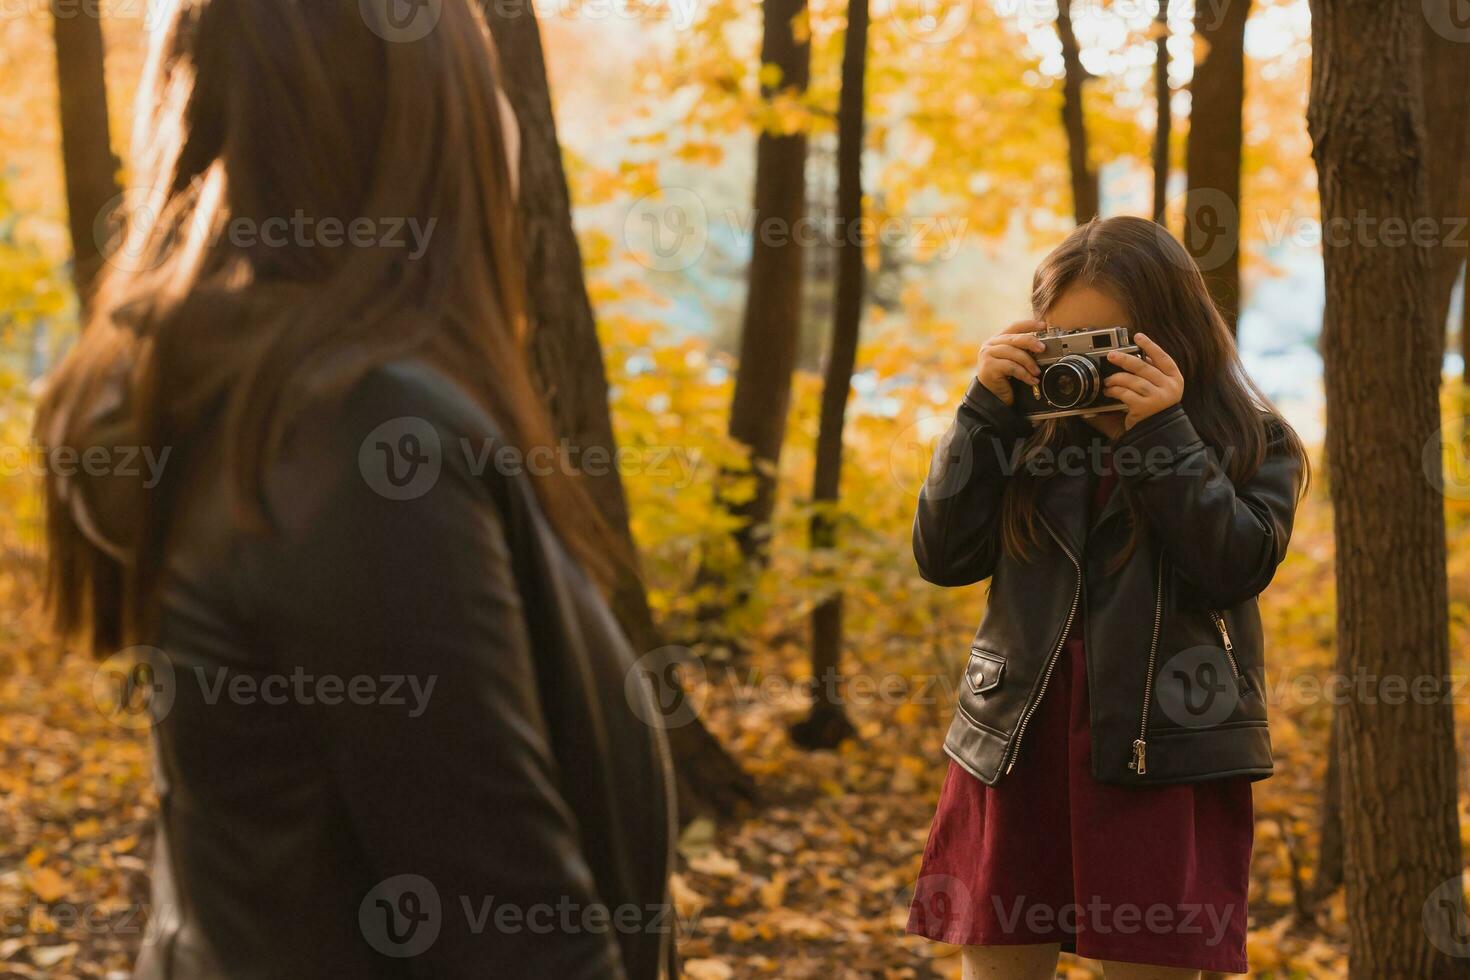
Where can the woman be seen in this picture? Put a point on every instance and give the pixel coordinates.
(1111, 717)
(394, 738)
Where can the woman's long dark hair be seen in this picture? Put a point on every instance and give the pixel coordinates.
(1149, 274)
(253, 110)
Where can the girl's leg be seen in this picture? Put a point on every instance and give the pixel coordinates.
(1011, 962)
(1114, 970)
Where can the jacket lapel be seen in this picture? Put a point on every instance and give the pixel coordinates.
(1066, 500)
(1063, 504)
(1116, 503)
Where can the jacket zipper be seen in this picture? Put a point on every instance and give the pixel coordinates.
(1219, 619)
(1051, 663)
(1139, 762)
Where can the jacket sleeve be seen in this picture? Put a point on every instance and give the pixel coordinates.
(1225, 540)
(957, 526)
(451, 777)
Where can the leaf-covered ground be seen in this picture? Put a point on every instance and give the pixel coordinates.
(814, 884)
(76, 805)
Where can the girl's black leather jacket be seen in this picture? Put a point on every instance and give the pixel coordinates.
(1175, 665)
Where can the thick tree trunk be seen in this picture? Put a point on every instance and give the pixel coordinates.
(1212, 204)
(1447, 123)
(1447, 126)
(86, 141)
(1086, 193)
(827, 725)
(1163, 130)
(1381, 354)
(1329, 855)
(567, 358)
(773, 304)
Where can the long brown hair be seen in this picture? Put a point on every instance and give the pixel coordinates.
(262, 110)
(1149, 274)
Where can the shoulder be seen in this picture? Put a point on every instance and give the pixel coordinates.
(403, 431)
(414, 392)
(1277, 429)
(1281, 439)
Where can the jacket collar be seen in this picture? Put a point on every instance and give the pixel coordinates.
(1063, 504)
(1065, 498)
(1116, 503)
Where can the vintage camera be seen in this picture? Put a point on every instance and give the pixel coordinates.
(1073, 368)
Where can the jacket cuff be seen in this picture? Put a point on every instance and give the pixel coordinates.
(1004, 419)
(1156, 445)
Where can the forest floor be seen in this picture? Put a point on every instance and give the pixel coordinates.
(815, 883)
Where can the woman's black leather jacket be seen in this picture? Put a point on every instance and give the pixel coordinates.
(401, 735)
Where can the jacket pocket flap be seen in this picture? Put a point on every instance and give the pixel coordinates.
(984, 670)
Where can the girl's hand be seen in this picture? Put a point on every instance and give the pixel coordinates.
(1008, 355)
(1146, 387)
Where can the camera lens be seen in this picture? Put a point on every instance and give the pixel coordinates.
(1072, 382)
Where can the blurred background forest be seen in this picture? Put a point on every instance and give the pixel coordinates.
(989, 127)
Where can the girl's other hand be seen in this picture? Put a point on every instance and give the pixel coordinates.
(1009, 355)
(1146, 387)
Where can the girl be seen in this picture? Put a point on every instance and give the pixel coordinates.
(1111, 718)
(389, 706)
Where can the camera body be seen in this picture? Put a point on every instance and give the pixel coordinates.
(1073, 368)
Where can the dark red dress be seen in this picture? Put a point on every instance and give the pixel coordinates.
(1153, 875)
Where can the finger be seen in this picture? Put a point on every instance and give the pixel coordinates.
(1022, 340)
(1018, 357)
(1132, 399)
(1017, 371)
(1138, 367)
(1128, 382)
(1157, 354)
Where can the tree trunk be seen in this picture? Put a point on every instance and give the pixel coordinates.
(1446, 79)
(828, 725)
(773, 305)
(1086, 194)
(1164, 129)
(1382, 369)
(89, 165)
(567, 359)
(1329, 854)
(1447, 123)
(1212, 202)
